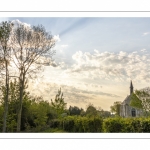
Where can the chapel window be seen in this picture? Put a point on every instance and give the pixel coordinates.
(133, 112)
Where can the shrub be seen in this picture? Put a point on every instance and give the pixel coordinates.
(68, 124)
(112, 125)
(55, 123)
(145, 125)
(78, 124)
(126, 125)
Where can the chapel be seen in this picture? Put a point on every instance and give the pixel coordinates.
(126, 110)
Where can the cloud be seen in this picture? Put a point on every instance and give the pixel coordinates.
(53, 64)
(56, 38)
(64, 46)
(63, 65)
(107, 65)
(18, 22)
(71, 94)
(143, 50)
(145, 33)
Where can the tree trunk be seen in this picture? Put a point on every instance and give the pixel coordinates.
(6, 97)
(22, 82)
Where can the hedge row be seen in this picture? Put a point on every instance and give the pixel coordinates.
(78, 124)
(126, 125)
(96, 124)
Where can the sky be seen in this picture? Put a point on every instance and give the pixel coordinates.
(95, 60)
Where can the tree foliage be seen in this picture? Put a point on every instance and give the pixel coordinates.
(27, 48)
(91, 111)
(36, 113)
(58, 104)
(74, 110)
(115, 108)
(141, 100)
(5, 57)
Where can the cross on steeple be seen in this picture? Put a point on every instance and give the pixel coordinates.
(131, 88)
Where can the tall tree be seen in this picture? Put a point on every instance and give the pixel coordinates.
(12, 103)
(30, 46)
(91, 111)
(58, 104)
(5, 32)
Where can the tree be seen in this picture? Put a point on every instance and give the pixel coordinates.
(31, 46)
(13, 103)
(5, 32)
(58, 104)
(104, 113)
(115, 108)
(74, 110)
(141, 100)
(36, 114)
(91, 111)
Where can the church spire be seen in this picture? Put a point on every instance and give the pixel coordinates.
(131, 88)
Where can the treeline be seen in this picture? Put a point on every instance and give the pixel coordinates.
(39, 115)
(36, 113)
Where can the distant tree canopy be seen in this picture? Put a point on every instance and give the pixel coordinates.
(74, 110)
(91, 110)
(104, 113)
(115, 108)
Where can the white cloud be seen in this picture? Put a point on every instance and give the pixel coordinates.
(18, 22)
(96, 51)
(110, 66)
(63, 65)
(56, 38)
(143, 50)
(145, 33)
(64, 46)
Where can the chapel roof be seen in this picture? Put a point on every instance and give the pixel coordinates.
(127, 100)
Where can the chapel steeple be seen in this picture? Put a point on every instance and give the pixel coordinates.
(131, 88)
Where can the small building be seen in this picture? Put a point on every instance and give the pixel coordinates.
(126, 110)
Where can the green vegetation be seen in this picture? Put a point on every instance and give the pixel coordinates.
(116, 108)
(78, 124)
(22, 112)
(98, 125)
(58, 104)
(41, 116)
(126, 125)
(140, 99)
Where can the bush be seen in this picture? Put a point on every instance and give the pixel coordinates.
(145, 125)
(78, 124)
(112, 125)
(68, 124)
(126, 125)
